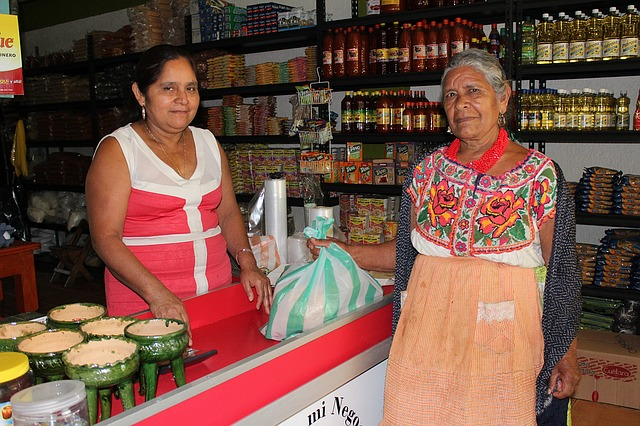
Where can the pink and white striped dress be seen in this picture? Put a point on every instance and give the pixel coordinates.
(171, 224)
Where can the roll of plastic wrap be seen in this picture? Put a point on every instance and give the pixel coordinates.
(323, 211)
(275, 213)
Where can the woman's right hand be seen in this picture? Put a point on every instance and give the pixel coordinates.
(165, 304)
(314, 244)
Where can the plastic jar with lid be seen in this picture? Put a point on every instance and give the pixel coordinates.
(62, 402)
(15, 375)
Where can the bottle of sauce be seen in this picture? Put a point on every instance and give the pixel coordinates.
(327, 54)
(373, 49)
(360, 113)
(444, 44)
(382, 58)
(432, 47)
(383, 113)
(457, 37)
(418, 49)
(364, 51)
(392, 6)
(404, 49)
(339, 45)
(407, 118)
(398, 109)
(494, 41)
(418, 4)
(346, 107)
(353, 52)
(371, 113)
(393, 38)
(420, 118)
(636, 116)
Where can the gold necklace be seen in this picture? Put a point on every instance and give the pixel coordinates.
(184, 152)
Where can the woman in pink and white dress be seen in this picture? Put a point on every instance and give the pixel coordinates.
(161, 204)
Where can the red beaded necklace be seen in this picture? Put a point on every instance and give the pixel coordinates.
(488, 159)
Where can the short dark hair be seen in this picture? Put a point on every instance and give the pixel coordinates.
(152, 63)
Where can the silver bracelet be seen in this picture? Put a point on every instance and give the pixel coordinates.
(241, 251)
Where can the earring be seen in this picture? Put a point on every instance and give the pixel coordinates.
(144, 113)
(502, 121)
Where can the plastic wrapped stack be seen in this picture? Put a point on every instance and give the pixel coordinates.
(158, 21)
(251, 166)
(311, 53)
(615, 258)
(594, 193)
(115, 82)
(109, 119)
(626, 195)
(598, 313)
(59, 125)
(587, 254)
(225, 71)
(297, 69)
(54, 88)
(262, 18)
(62, 168)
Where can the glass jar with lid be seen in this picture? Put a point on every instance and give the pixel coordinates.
(15, 375)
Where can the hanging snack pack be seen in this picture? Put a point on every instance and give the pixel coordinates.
(310, 295)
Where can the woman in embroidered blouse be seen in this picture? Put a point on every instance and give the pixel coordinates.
(483, 337)
(161, 204)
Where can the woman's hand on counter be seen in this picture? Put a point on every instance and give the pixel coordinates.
(253, 277)
(165, 304)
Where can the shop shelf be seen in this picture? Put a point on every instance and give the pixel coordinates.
(362, 189)
(600, 137)
(49, 187)
(429, 138)
(610, 292)
(616, 220)
(81, 143)
(268, 139)
(249, 91)
(483, 12)
(596, 69)
(261, 43)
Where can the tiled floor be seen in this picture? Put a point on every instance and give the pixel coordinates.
(54, 294)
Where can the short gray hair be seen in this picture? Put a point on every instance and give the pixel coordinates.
(483, 62)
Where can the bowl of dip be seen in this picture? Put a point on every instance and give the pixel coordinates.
(73, 315)
(11, 333)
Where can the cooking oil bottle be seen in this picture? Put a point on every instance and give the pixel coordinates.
(546, 109)
(523, 115)
(573, 110)
(622, 111)
(535, 107)
(594, 37)
(577, 38)
(560, 110)
(529, 42)
(561, 39)
(587, 119)
(629, 34)
(602, 110)
(544, 33)
(611, 35)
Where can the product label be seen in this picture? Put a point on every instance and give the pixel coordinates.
(338, 56)
(419, 121)
(576, 50)
(528, 53)
(396, 116)
(383, 55)
(394, 54)
(602, 121)
(326, 57)
(383, 116)
(546, 120)
(390, 3)
(347, 117)
(535, 120)
(545, 52)
(587, 121)
(622, 122)
(352, 55)
(594, 49)
(419, 52)
(611, 48)
(404, 55)
(573, 120)
(432, 51)
(559, 120)
(524, 120)
(373, 56)
(7, 414)
(560, 52)
(359, 116)
(443, 50)
(457, 47)
(629, 46)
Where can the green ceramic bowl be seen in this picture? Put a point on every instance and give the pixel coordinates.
(106, 327)
(73, 315)
(159, 339)
(45, 350)
(102, 362)
(11, 333)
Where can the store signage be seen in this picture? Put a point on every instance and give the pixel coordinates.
(357, 403)
(11, 82)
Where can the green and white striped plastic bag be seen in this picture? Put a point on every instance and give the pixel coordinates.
(310, 295)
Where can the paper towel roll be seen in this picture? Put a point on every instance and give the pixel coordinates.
(323, 211)
(275, 213)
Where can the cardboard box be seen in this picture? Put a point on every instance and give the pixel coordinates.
(609, 363)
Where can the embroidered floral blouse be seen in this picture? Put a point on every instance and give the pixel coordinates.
(461, 212)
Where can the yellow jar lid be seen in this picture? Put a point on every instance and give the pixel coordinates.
(12, 366)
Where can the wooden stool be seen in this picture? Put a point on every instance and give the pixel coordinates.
(71, 256)
(17, 261)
